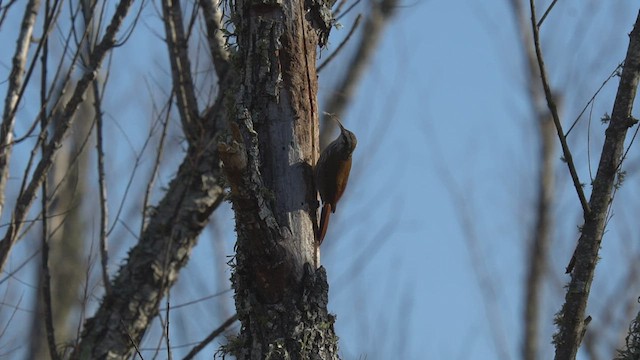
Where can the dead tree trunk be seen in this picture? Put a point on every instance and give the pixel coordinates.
(281, 298)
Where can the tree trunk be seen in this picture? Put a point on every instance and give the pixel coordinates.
(281, 298)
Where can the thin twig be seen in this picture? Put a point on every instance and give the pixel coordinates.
(180, 216)
(50, 19)
(136, 165)
(351, 7)
(156, 165)
(215, 333)
(86, 294)
(46, 282)
(32, 66)
(166, 327)
(15, 270)
(342, 44)
(338, 9)
(208, 297)
(183, 85)
(589, 143)
(88, 43)
(554, 113)
(5, 10)
(547, 12)
(379, 15)
(25, 200)
(614, 73)
(125, 195)
(8, 322)
(55, 81)
(135, 346)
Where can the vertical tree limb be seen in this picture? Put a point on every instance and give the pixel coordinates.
(46, 274)
(183, 86)
(570, 320)
(280, 298)
(541, 233)
(102, 190)
(16, 81)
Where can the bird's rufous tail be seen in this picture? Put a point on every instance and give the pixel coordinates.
(324, 222)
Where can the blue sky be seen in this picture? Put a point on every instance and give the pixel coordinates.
(426, 255)
(449, 80)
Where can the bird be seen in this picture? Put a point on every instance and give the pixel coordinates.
(332, 174)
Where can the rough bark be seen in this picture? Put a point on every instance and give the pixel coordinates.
(571, 318)
(281, 298)
(152, 267)
(153, 264)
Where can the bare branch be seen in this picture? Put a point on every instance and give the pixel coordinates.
(102, 191)
(183, 86)
(153, 264)
(5, 10)
(570, 320)
(25, 200)
(131, 339)
(614, 73)
(166, 327)
(356, 22)
(46, 274)
(554, 112)
(14, 88)
(88, 43)
(156, 165)
(46, 282)
(214, 334)
(213, 21)
(164, 246)
(553, 3)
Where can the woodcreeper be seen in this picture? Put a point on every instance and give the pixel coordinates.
(332, 175)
